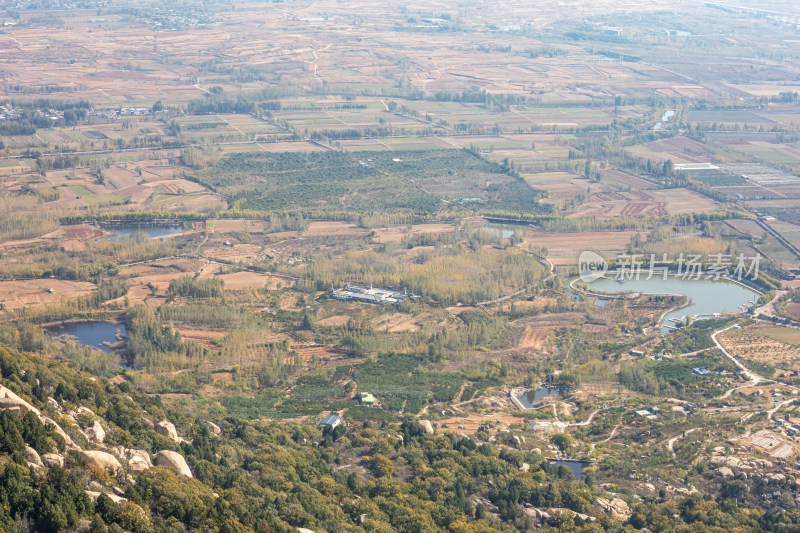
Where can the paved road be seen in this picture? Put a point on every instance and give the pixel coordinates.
(778, 406)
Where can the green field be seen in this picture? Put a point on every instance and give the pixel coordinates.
(787, 335)
(728, 116)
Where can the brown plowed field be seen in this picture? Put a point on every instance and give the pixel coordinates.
(204, 337)
(322, 353)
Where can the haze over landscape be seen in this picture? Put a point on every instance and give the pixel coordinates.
(339, 266)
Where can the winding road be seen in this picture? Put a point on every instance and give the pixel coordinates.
(752, 376)
(587, 421)
(671, 442)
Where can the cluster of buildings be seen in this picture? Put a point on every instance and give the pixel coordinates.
(117, 114)
(371, 294)
(648, 414)
(174, 19)
(7, 112)
(789, 426)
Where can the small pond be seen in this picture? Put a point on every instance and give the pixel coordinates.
(90, 333)
(575, 466)
(529, 398)
(506, 231)
(123, 231)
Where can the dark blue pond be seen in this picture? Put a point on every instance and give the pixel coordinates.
(89, 333)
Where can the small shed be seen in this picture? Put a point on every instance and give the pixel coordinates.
(366, 399)
(331, 421)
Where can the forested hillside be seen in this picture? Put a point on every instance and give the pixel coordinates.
(253, 476)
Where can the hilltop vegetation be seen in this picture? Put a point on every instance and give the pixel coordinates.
(256, 476)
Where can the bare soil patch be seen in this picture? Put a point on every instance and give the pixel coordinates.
(335, 321)
(320, 353)
(201, 336)
(398, 233)
(224, 377)
(38, 292)
(564, 248)
(534, 337)
(324, 229)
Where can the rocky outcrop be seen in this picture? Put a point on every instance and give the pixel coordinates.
(173, 460)
(774, 479)
(67, 439)
(9, 400)
(32, 457)
(138, 460)
(96, 433)
(102, 459)
(549, 514)
(167, 429)
(725, 460)
(93, 495)
(52, 459)
(725, 472)
(616, 507)
(426, 426)
(212, 427)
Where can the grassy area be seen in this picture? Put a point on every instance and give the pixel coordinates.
(727, 116)
(787, 335)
